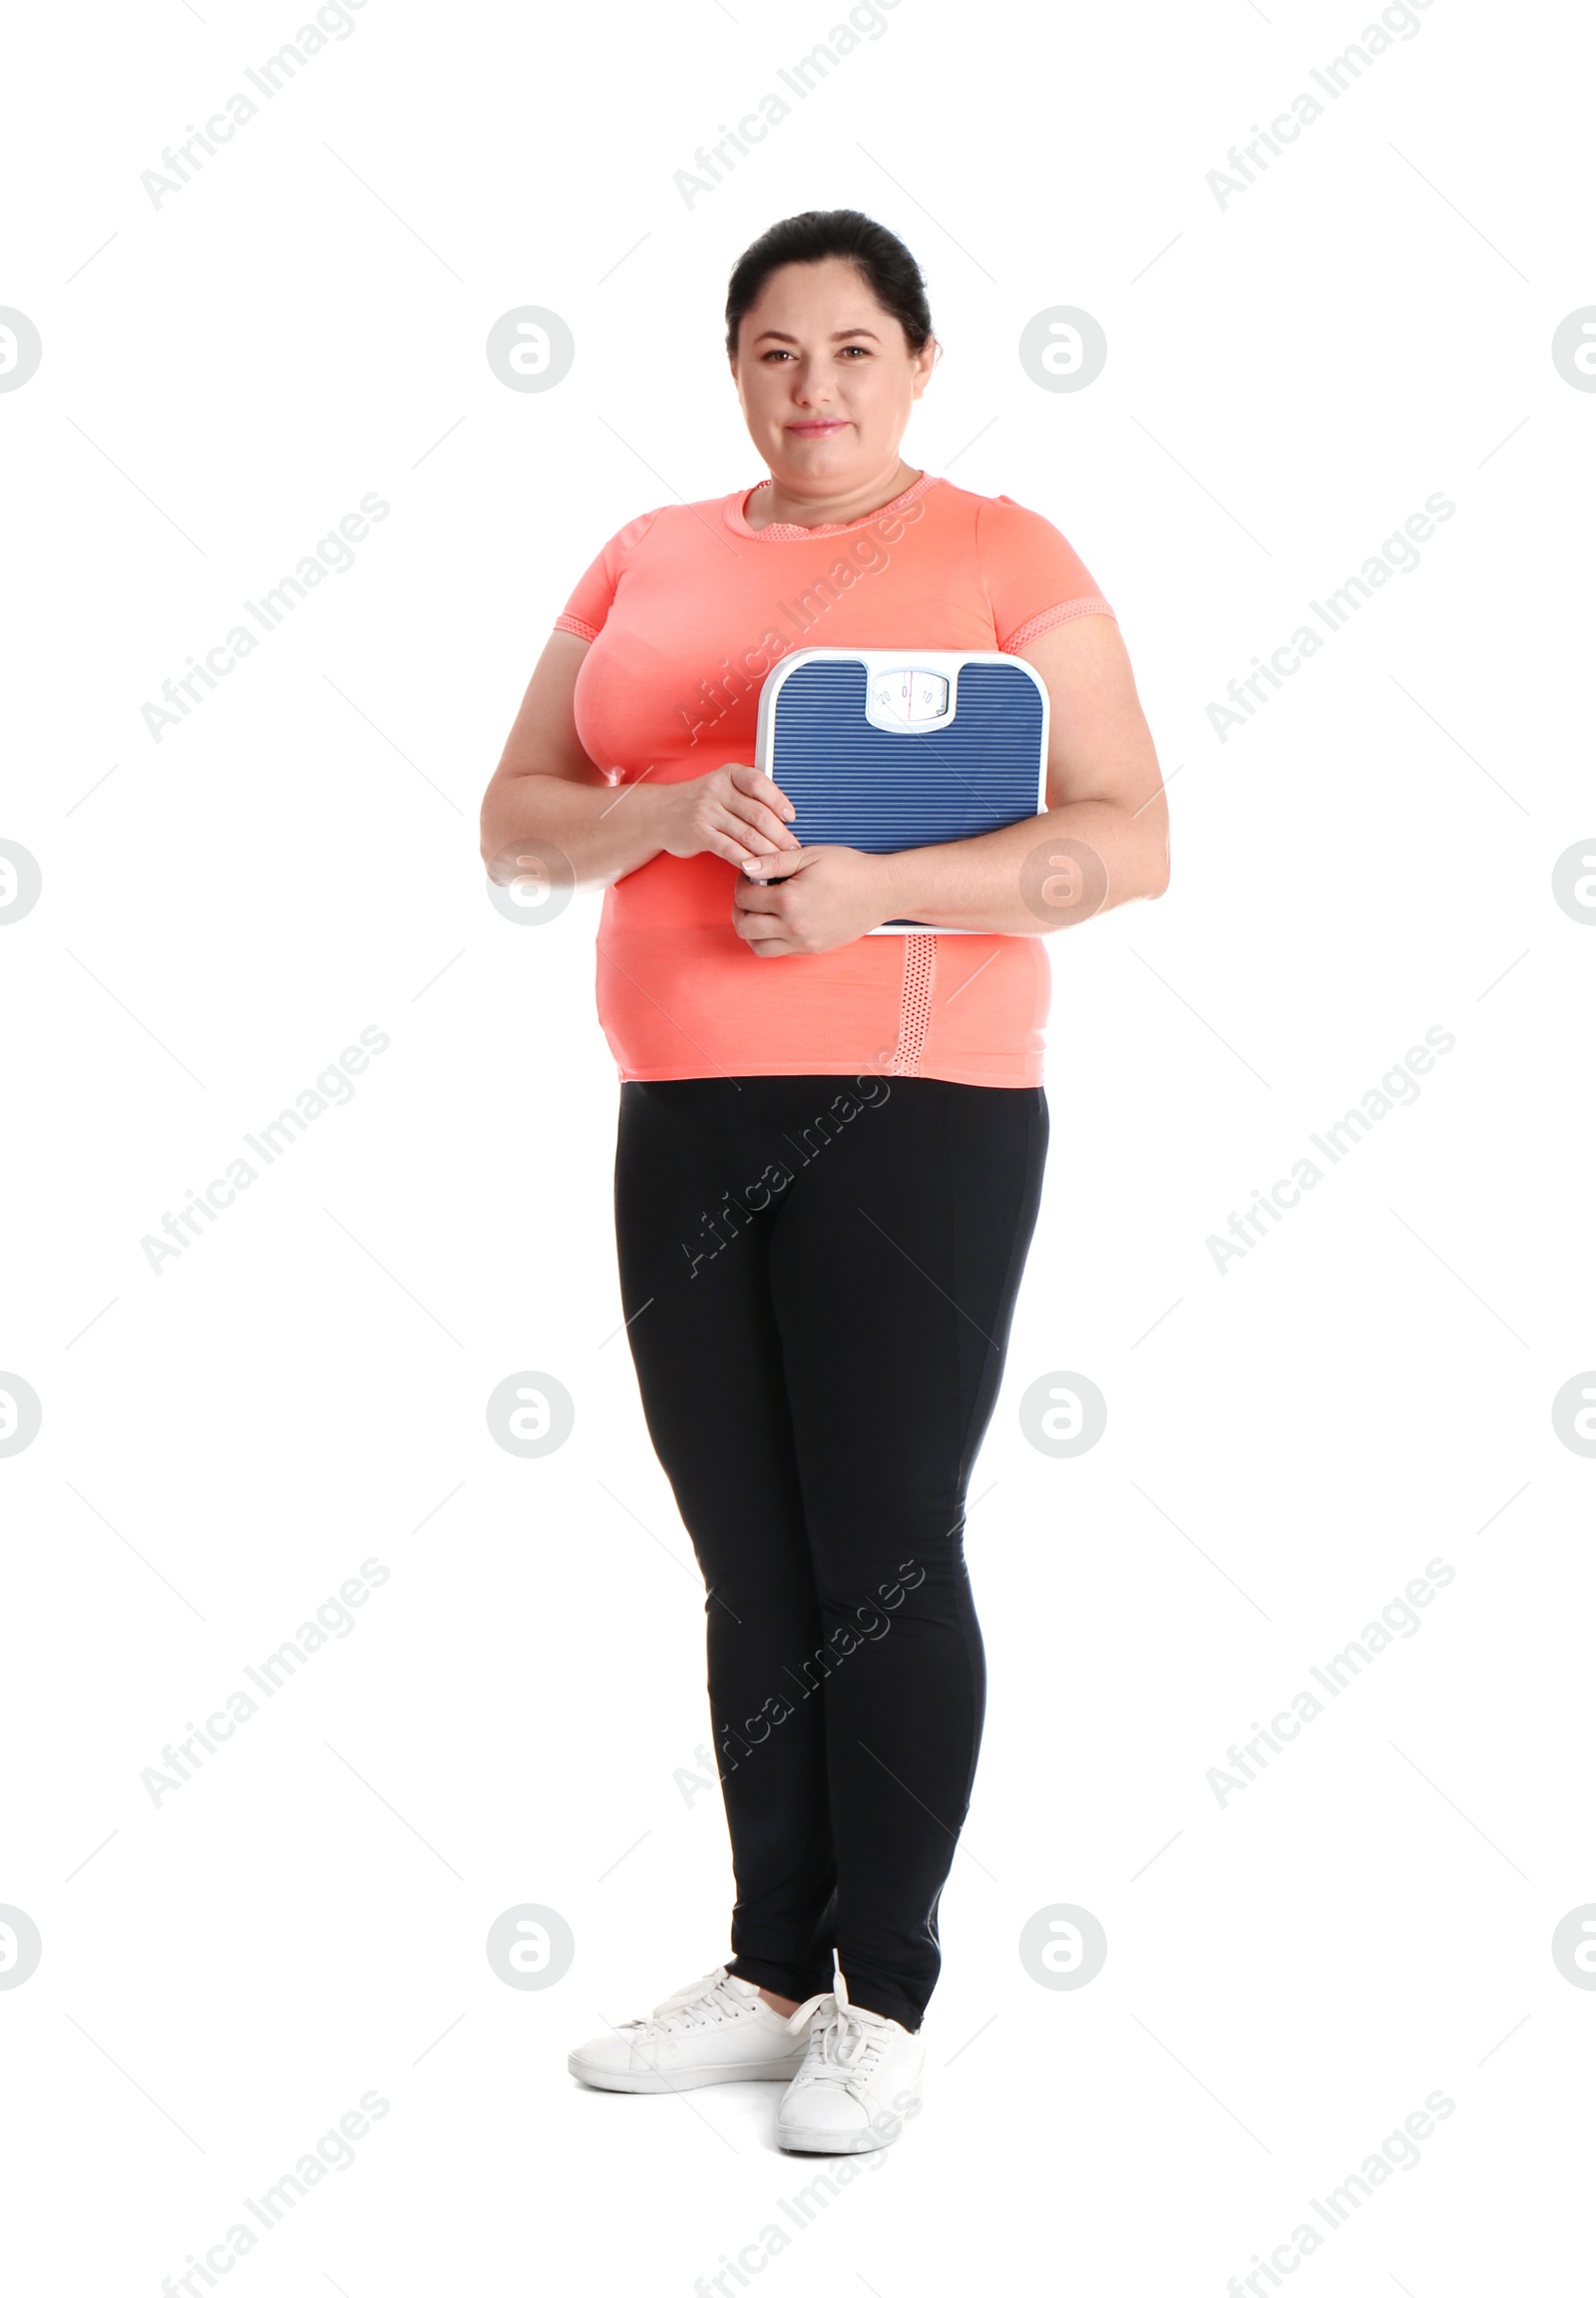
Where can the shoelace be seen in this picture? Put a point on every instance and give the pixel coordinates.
(844, 2043)
(702, 2002)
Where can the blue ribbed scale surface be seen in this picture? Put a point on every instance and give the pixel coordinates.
(854, 784)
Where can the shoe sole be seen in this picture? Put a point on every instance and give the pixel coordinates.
(642, 2079)
(863, 2142)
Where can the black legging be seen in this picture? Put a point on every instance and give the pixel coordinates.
(819, 1274)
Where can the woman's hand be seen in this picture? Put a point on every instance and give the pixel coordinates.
(735, 811)
(822, 895)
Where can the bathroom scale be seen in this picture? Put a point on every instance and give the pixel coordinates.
(885, 747)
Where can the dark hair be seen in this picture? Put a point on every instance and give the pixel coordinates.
(879, 255)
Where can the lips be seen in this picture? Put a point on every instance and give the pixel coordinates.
(815, 430)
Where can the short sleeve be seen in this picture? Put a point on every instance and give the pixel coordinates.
(587, 608)
(1034, 577)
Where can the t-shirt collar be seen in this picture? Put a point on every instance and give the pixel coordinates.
(735, 517)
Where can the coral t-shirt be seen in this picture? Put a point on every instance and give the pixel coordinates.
(687, 609)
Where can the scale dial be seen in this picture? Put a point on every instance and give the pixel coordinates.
(909, 697)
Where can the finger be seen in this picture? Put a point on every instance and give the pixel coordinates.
(783, 864)
(755, 825)
(729, 850)
(751, 844)
(757, 922)
(760, 816)
(759, 785)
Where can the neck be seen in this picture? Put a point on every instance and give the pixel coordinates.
(776, 504)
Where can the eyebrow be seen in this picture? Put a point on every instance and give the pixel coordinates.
(841, 334)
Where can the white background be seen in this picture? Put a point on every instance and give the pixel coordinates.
(1289, 1975)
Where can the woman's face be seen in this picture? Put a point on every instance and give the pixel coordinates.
(826, 378)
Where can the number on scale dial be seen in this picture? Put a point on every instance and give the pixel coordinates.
(913, 697)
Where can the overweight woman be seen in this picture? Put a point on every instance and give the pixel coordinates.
(830, 1145)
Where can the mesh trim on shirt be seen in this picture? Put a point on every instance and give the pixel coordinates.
(575, 623)
(1051, 617)
(914, 1013)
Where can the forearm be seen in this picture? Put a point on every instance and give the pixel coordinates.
(1036, 875)
(603, 832)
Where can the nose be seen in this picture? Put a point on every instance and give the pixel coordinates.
(811, 387)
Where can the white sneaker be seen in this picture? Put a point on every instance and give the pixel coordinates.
(859, 2082)
(717, 2030)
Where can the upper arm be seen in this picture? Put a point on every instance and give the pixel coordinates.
(543, 738)
(1099, 745)
(1046, 608)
